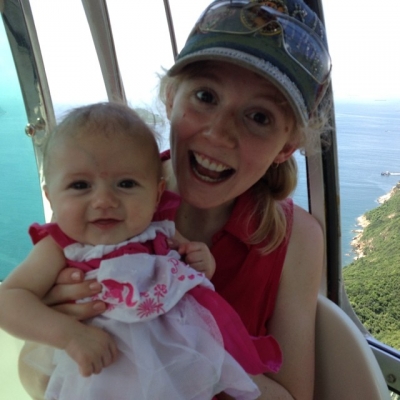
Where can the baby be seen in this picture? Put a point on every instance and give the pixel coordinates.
(166, 333)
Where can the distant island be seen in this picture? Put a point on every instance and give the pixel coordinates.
(372, 280)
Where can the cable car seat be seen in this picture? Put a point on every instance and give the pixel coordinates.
(345, 366)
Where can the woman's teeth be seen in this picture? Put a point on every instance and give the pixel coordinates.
(211, 165)
(209, 171)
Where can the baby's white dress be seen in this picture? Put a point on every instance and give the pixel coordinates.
(171, 346)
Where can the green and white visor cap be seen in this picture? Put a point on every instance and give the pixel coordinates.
(281, 40)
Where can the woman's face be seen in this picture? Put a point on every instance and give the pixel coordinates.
(228, 126)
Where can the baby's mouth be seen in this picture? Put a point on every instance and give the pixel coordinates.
(209, 170)
(105, 223)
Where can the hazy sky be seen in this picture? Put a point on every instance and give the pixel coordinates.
(364, 42)
(363, 35)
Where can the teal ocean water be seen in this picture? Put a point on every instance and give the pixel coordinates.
(20, 198)
(368, 144)
(368, 136)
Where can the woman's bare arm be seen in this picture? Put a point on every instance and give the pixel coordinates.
(270, 390)
(293, 322)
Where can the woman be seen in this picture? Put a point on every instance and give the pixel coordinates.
(243, 95)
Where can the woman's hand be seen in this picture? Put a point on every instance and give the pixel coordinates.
(71, 286)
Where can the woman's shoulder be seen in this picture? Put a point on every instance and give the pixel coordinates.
(303, 222)
(306, 242)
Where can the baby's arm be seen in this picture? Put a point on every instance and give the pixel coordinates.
(196, 254)
(26, 317)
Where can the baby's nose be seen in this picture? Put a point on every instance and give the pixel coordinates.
(104, 198)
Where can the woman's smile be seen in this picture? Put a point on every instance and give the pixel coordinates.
(208, 169)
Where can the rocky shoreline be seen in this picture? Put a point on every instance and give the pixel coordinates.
(362, 222)
(387, 196)
(356, 243)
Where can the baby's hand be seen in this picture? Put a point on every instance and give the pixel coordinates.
(199, 257)
(92, 349)
(196, 254)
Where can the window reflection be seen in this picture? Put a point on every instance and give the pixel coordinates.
(20, 201)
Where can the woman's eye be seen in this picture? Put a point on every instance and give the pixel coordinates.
(79, 185)
(127, 184)
(260, 118)
(205, 96)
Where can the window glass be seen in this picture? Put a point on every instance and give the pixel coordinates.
(21, 200)
(367, 104)
(69, 55)
(143, 61)
(300, 195)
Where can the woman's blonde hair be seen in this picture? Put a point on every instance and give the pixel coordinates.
(280, 180)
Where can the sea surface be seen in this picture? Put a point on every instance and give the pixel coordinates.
(368, 144)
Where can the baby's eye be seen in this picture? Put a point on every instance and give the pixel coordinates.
(79, 185)
(127, 184)
(260, 118)
(205, 96)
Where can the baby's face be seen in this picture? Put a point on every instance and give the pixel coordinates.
(103, 190)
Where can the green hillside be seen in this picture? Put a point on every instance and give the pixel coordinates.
(372, 282)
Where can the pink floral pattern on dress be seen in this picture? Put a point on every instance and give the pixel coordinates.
(148, 307)
(144, 292)
(160, 290)
(152, 305)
